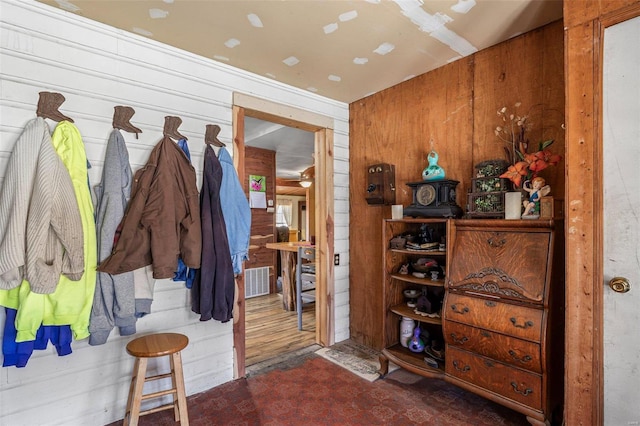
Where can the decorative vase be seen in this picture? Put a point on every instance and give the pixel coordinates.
(416, 344)
(406, 331)
(433, 171)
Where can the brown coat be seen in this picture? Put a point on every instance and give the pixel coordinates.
(162, 220)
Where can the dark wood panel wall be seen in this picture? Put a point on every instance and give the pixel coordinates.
(452, 110)
(262, 162)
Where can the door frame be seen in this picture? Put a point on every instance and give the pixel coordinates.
(322, 127)
(584, 216)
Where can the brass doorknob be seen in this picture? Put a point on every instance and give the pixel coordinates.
(619, 284)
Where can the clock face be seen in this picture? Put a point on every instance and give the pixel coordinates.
(425, 195)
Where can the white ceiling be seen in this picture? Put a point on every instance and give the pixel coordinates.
(293, 147)
(340, 49)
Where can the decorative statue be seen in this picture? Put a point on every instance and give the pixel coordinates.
(536, 189)
(433, 171)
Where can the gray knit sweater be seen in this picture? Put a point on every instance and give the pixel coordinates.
(40, 227)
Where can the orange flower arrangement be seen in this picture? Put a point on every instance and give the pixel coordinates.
(525, 165)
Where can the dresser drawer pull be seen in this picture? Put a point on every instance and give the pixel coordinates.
(462, 311)
(485, 334)
(496, 241)
(464, 369)
(460, 341)
(525, 359)
(489, 304)
(489, 363)
(525, 325)
(525, 392)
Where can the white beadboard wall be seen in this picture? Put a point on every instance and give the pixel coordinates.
(97, 67)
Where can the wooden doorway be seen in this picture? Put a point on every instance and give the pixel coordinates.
(322, 127)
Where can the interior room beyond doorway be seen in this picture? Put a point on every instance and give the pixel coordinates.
(271, 329)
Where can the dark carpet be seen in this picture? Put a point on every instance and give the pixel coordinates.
(314, 391)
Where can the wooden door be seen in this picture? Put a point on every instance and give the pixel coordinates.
(621, 153)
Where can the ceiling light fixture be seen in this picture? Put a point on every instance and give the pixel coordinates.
(307, 177)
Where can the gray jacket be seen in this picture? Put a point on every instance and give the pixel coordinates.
(114, 299)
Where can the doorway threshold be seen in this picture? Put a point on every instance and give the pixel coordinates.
(283, 361)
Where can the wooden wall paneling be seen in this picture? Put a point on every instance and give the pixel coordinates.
(262, 162)
(526, 69)
(367, 147)
(553, 119)
(459, 126)
(395, 126)
(456, 106)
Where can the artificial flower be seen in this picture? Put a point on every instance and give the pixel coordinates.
(513, 132)
(515, 172)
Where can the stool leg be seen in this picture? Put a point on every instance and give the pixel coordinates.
(135, 392)
(176, 360)
(176, 405)
(127, 413)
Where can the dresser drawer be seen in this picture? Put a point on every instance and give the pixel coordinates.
(517, 352)
(512, 320)
(507, 264)
(507, 381)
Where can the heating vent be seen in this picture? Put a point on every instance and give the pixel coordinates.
(256, 282)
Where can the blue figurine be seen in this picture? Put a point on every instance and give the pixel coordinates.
(416, 344)
(433, 171)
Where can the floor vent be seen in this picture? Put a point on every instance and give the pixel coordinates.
(256, 282)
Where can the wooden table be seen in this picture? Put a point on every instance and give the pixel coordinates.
(288, 259)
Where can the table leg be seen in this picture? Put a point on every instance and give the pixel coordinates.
(288, 260)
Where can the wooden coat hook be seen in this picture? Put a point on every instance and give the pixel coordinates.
(121, 117)
(211, 135)
(171, 124)
(48, 105)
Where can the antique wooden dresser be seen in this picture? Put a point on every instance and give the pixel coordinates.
(503, 320)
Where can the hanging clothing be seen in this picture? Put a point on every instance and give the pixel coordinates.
(236, 212)
(213, 288)
(18, 354)
(40, 234)
(114, 298)
(144, 286)
(70, 304)
(161, 222)
(183, 272)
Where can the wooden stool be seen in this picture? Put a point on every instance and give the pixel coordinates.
(152, 346)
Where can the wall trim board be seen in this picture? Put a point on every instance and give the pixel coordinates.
(302, 119)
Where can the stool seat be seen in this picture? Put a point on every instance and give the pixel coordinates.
(153, 346)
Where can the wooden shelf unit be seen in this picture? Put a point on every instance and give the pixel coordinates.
(394, 302)
(410, 361)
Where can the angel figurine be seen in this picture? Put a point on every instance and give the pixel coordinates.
(536, 189)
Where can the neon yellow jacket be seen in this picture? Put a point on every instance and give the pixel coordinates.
(71, 303)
